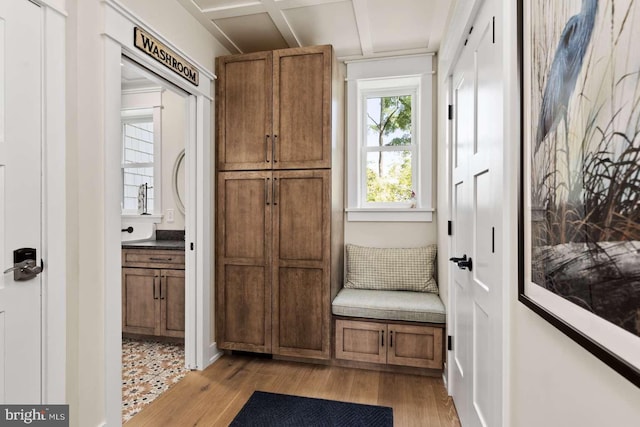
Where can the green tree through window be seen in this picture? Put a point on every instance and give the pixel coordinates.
(389, 164)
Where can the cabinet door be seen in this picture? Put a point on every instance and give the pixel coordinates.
(140, 293)
(243, 290)
(302, 214)
(361, 341)
(302, 108)
(419, 346)
(172, 303)
(244, 111)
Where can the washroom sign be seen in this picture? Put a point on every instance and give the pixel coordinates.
(161, 53)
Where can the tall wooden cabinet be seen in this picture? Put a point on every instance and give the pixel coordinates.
(274, 110)
(274, 202)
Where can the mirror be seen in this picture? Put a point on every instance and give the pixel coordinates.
(178, 181)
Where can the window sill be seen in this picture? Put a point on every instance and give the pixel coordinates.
(390, 215)
(152, 219)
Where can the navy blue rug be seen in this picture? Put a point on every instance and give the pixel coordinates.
(270, 409)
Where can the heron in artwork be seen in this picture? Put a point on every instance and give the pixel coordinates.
(566, 65)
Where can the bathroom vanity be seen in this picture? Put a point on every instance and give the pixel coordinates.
(153, 288)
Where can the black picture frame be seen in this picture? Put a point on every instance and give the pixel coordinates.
(600, 350)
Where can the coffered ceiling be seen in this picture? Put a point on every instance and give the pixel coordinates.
(355, 28)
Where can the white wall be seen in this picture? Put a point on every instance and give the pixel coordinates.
(173, 141)
(553, 381)
(390, 234)
(85, 206)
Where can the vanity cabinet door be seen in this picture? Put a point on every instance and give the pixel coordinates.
(140, 296)
(172, 303)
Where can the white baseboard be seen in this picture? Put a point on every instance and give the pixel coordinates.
(444, 379)
(214, 353)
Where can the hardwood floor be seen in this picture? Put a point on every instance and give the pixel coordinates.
(213, 397)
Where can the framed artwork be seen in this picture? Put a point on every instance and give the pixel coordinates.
(580, 173)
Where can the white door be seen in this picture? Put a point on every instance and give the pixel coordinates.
(20, 198)
(476, 289)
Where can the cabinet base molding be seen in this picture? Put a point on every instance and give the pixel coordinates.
(410, 370)
(142, 337)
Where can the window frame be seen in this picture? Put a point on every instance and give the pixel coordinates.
(389, 75)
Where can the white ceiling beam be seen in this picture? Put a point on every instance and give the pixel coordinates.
(292, 4)
(230, 6)
(364, 29)
(281, 23)
(234, 12)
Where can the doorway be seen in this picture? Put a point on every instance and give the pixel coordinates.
(154, 124)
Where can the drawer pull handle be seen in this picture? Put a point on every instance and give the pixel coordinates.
(381, 338)
(160, 259)
(390, 339)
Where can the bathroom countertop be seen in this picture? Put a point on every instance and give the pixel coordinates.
(154, 244)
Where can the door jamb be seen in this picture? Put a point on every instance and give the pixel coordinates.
(119, 23)
(54, 216)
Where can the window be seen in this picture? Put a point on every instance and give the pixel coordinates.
(141, 148)
(387, 148)
(389, 120)
(137, 162)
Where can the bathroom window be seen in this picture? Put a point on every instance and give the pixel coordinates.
(140, 161)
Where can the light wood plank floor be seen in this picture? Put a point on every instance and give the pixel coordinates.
(213, 397)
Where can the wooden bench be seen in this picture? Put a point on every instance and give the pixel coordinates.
(389, 328)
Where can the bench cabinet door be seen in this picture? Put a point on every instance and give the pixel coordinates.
(419, 346)
(361, 341)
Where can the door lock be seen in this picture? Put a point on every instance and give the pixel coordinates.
(463, 263)
(24, 265)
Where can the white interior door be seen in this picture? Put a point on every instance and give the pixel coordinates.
(20, 198)
(476, 374)
(461, 310)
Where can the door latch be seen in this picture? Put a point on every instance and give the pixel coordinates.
(463, 263)
(24, 265)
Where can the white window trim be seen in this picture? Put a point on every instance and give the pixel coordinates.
(390, 76)
(145, 103)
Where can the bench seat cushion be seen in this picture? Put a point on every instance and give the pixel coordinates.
(389, 305)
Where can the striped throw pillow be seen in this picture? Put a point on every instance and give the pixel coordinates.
(391, 269)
